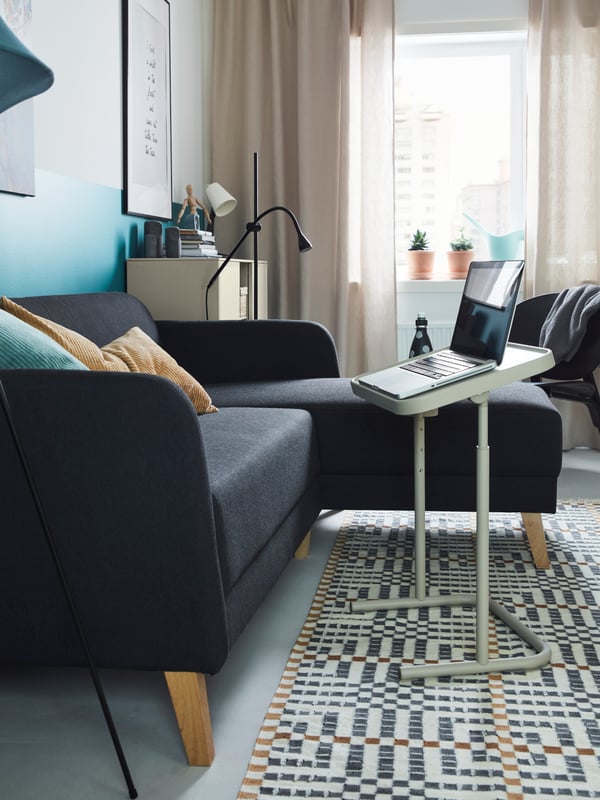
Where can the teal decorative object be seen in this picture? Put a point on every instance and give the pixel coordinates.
(501, 248)
(22, 75)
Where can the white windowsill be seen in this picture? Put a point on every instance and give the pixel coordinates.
(432, 285)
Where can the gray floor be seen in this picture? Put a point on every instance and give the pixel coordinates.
(53, 742)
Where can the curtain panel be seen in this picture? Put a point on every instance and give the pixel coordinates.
(563, 144)
(282, 88)
(563, 163)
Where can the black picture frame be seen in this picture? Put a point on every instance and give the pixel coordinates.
(147, 108)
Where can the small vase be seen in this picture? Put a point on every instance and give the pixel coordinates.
(458, 263)
(504, 247)
(419, 264)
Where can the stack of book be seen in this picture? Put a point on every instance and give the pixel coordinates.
(200, 244)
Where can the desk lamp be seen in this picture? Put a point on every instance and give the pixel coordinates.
(23, 75)
(221, 202)
(254, 227)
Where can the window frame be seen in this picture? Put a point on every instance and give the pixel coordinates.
(512, 44)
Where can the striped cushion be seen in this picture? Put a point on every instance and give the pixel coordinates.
(24, 347)
(134, 351)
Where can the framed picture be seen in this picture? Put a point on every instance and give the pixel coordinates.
(147, 113)
(17, 165)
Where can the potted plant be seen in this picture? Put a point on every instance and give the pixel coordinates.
(419, 257)
(460, 255)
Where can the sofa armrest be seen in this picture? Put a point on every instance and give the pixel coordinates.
(119, 465)
(224, 351)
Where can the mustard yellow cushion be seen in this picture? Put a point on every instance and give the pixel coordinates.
(140, 353)
(134, 351)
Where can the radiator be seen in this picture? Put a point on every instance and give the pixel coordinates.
(439, 333)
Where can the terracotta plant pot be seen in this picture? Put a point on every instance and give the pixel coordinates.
(458, 262)
(420, 264)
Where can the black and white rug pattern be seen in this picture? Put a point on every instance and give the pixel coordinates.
(342, 725)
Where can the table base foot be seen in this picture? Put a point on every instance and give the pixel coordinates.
(482, 665)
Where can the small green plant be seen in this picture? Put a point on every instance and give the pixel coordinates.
(419, 241)
(462, 242)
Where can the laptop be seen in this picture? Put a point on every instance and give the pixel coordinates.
(478, 342)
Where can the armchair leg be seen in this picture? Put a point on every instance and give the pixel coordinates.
(534, 529)
(303, 548)
(190, 703)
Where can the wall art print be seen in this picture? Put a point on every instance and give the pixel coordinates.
(147, 93)
(17, 157)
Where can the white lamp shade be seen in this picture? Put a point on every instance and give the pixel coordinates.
(220, 200)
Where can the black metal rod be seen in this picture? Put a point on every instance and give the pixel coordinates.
(222, 266)
(256, 230)
(67, 590)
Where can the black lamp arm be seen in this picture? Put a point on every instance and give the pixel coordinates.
(228, 258)
(303, 242)
(255, 227)
(222, 266)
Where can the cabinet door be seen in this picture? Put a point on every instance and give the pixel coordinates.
(175, 288)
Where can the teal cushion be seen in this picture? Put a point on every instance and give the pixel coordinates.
(24, 347)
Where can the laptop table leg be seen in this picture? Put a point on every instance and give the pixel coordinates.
(481, 598)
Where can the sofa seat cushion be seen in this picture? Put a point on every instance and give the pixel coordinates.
(261, 461)
(358, 438)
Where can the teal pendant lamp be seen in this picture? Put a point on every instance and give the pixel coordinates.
(23, 75)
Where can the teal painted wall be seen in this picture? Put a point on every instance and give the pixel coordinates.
(71, 237)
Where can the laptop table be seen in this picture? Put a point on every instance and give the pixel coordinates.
(520, 362)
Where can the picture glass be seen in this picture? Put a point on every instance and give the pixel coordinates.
(148, 111)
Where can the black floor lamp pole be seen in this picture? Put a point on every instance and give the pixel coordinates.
(256, 232)
(66, 589)
(254, 227)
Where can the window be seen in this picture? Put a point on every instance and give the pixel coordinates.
(459, 137)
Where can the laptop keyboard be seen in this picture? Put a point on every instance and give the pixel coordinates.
(439, 365)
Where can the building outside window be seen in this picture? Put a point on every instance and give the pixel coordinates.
(459, 138)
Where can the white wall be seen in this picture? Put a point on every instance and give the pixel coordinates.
(79, 121)
(191, 55)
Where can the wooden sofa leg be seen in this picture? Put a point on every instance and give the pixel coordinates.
(190, 703)
(303, 548)
(534, 528)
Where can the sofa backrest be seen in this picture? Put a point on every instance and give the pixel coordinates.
(101, 316)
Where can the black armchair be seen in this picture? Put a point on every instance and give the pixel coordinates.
(567, 380)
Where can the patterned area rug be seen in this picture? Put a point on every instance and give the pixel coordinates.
(342, 725)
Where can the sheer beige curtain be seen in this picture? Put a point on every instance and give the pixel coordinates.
(282, 88)
(563, 154)
(563, 162)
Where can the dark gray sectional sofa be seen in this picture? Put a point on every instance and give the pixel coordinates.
(173, 527)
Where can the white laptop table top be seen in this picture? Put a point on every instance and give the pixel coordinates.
(520, 362)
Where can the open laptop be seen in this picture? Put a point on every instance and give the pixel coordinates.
(478, 342)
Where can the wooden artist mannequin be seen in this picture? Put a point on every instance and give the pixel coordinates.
(192, 204)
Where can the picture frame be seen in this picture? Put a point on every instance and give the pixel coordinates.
(147, 108)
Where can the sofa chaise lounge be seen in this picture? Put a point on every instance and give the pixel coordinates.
(174, 526)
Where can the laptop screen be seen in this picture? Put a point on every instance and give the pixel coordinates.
(486, 308)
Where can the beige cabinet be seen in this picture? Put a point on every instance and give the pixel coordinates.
(175, 288)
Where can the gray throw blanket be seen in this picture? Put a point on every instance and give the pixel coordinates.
(565, 326)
